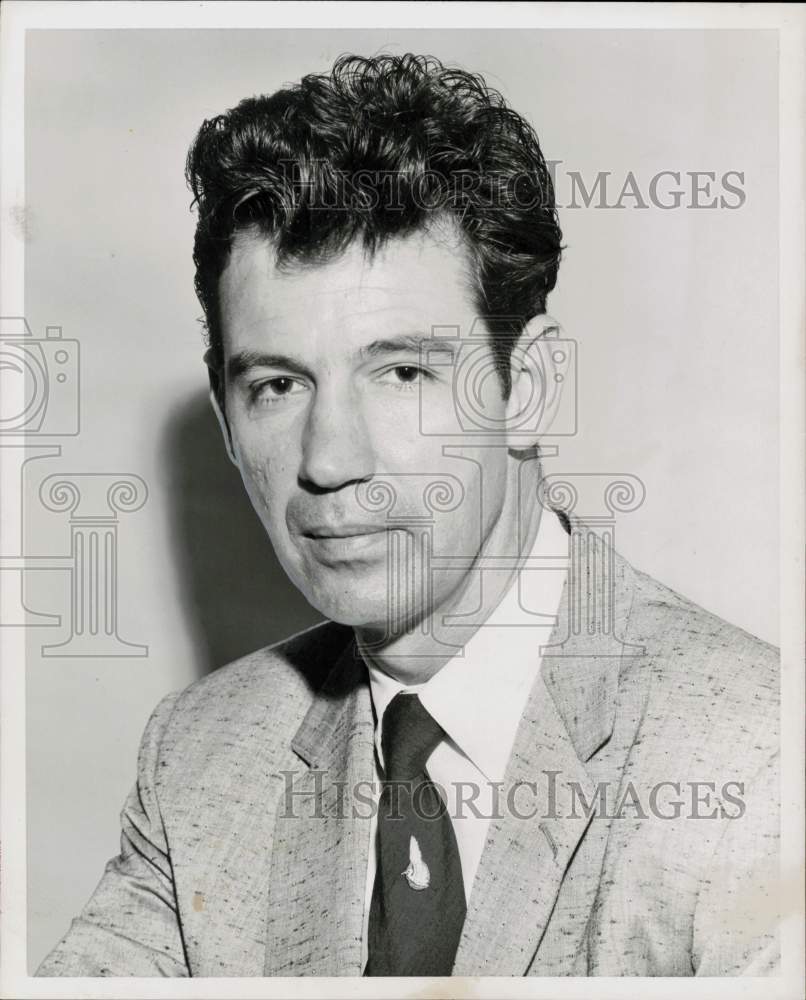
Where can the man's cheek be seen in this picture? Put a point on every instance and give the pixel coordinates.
(256, 475)
(264, 482)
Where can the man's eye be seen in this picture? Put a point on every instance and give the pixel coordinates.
(272, 389)
(406, 376)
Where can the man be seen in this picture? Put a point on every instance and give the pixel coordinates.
(507, 752)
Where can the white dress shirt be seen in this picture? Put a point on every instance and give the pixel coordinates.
(478, 698)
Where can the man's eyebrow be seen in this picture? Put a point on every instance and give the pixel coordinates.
(408, 342)
(244, 361)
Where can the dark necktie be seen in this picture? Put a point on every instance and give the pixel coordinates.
(418, 899)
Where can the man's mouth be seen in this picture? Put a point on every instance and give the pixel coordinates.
(344, 542)
(342, 530)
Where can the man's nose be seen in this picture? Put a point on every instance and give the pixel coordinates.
(336, 447)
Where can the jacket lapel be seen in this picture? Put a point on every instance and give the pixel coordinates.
(319, 855)
(569, 715)
(527, 850)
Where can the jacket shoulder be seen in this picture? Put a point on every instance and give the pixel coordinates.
(274, 682)
(712, 672)
(663, 612)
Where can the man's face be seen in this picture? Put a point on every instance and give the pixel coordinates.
(324, 389)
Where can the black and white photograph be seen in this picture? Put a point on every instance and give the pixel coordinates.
(402, 490)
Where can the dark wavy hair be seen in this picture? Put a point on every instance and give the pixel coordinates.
(377, 148)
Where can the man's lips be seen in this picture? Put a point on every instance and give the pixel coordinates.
(346, 542)
(342, 530)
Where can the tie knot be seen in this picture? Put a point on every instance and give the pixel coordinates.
(410, 733)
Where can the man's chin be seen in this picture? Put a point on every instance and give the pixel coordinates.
(359, 597)
(359, 614)
(363, 610)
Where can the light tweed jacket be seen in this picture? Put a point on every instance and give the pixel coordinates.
(214, 880)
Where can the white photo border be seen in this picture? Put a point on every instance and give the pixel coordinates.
(21, 16)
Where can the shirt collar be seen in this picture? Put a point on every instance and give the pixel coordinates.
(479, 695)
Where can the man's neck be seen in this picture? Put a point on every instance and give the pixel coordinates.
(417, 654)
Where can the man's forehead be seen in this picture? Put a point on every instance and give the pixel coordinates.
(423, 255)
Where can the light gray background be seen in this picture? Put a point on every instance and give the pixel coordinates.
(675, 313)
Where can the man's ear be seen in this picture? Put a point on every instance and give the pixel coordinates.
(536, 383)
(216, 396)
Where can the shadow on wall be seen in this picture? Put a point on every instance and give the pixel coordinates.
(236, 595)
